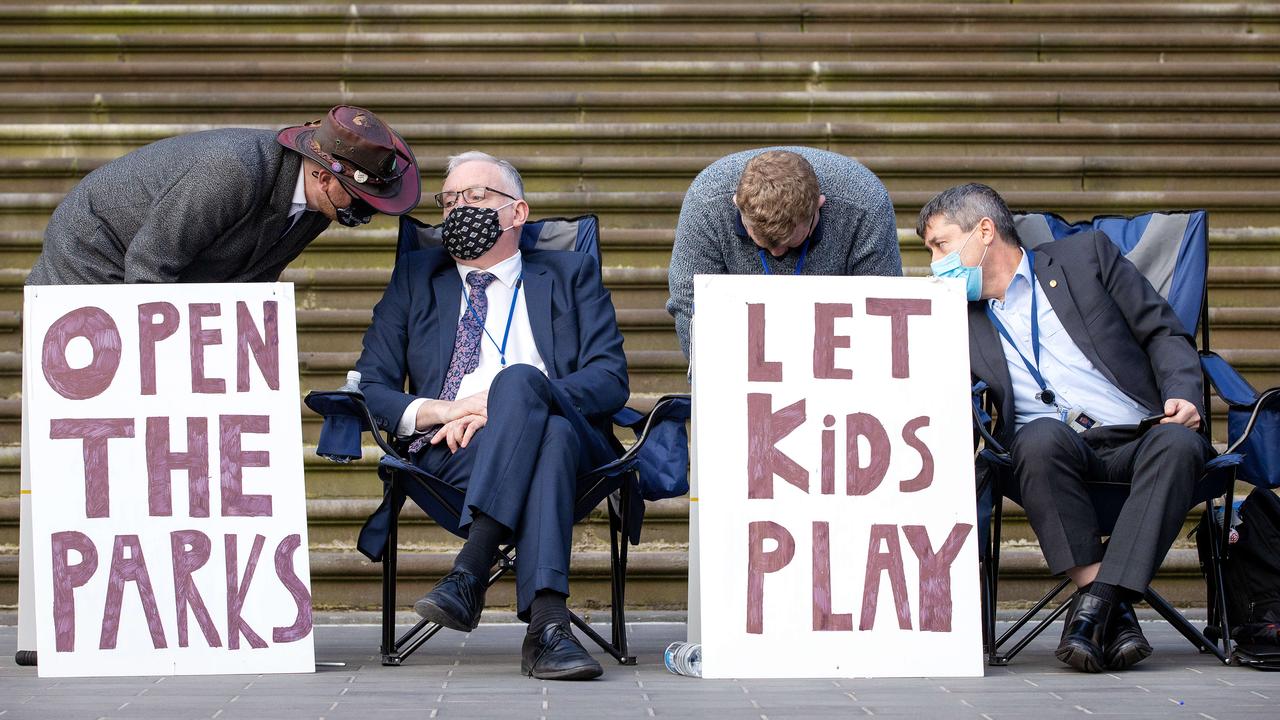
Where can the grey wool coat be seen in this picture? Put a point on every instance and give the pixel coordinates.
(211, 206)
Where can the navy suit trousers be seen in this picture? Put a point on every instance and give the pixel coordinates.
(522, 470)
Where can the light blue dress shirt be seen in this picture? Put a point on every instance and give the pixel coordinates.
(1075, 381)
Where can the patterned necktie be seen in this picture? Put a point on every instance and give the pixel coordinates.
(466, 346)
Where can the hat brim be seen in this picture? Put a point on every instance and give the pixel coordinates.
(398, 198)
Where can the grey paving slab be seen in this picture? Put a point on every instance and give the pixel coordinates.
(477, 676)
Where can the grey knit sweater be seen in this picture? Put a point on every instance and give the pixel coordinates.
(856, 234)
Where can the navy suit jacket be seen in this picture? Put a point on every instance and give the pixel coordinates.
(570, 312)
(1115, 317)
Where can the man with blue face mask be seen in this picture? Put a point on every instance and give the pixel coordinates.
(514, 367)
(1078, 349)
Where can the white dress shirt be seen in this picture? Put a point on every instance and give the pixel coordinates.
(299, 204)
(521, 349)
(1075, 382)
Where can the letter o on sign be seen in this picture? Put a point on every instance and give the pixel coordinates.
(96, 326)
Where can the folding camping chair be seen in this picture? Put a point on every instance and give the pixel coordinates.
(659, 455)
(1171, 251)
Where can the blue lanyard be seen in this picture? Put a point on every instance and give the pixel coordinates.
(511, 313)
(804, 252)
(1045, 395)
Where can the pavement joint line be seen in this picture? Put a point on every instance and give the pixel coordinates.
(986, 717)
(852, 697)
(1195, 671)
(344, 692)
(966, 703)
(440, 698)
(333, 707)
(1226, 682)
(1176, 702)
(1113, 676)
(122, 707)
(1255, 692)
(649, 710)
(434, 712)
(1084, 710)
(1054, 695)
(1142, 688)
(216, 714)
(1029, 682)
(1208, 717)
(943, 689)
(867, 710)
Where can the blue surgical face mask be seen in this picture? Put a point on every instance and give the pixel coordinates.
(951, 267)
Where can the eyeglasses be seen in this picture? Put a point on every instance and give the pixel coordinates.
(471, 196)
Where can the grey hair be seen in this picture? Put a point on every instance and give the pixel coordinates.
(966, 205)
(509, 171)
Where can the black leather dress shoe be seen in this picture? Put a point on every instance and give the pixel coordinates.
(455, 602)
(1125, 646)
(1083, 633)
(555, 654)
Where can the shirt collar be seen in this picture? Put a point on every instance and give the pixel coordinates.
(508, 271)
(299, 202)
(1024, 272)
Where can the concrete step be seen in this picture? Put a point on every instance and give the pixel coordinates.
(322, 330)
(921, 141)
(233, 107)
(654, 210)
(728, 16)
(576, 173)
(327, 75)
(919, 42)
(656, 579)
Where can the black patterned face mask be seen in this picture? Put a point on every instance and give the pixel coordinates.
(356, 214)
(469, 231)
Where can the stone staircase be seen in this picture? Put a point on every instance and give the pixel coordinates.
(610, 107)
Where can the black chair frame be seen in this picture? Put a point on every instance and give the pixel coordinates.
(396, 649)
(994, 645)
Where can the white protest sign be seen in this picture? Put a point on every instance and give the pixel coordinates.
(836, 520)
(163, 446)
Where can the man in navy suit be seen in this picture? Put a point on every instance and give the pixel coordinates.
(514, 365)
(1078, 349)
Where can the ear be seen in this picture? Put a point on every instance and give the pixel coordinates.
(822, 200)
(987, 230)
(521, 216)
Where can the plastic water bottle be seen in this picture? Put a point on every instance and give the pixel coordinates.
(684, 658)
(353, 383)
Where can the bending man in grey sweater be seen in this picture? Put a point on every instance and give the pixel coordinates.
(785, 210)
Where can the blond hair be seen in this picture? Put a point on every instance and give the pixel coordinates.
(778, 191)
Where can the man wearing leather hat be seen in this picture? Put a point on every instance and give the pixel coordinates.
(229, 205)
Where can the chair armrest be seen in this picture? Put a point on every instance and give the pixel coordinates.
(1230, 385)
(994, 450)
(1268, 401)
(345, 403)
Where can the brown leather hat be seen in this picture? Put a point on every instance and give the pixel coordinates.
(370, 159)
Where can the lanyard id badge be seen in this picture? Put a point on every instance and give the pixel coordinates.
(1046, 394)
